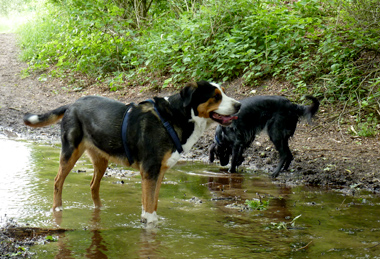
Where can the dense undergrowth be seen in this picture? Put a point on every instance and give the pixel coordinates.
(327, 48)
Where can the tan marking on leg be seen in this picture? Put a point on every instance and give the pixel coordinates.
(148, 192)
(100, 166)
(151, 187)
(65, 167)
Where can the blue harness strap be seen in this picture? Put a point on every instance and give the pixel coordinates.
(217, 140)
(169, 128)
(124, 128)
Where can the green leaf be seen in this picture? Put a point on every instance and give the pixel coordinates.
(166, 82)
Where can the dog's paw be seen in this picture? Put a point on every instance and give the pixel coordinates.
(232, 171)
(150, 219)
(58, 208)
(274, 175)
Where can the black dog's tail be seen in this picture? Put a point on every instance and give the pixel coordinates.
(36, 121)
(310, 110)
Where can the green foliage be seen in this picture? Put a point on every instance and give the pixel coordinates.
(329, 48)
(257, 204)
(284, 225)
(51, 239)
(367, 127)
(7, 7)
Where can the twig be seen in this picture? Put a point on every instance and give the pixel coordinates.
(342, 203)
(16, 109)
(304, 247)
(340, 116)
(314, 128)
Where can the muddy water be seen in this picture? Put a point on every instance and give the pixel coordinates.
(201, 213)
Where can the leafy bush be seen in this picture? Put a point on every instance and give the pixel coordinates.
(328, 48)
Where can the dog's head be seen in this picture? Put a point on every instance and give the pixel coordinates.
(208, 101)
(221, 148)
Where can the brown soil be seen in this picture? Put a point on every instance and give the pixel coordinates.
(325, 153)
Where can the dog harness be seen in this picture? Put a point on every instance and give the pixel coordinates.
(166, 124)
(217, 140)
(168, 128)
(124, 128)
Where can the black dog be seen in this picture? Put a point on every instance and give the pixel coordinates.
(276, 114)
(96, 125)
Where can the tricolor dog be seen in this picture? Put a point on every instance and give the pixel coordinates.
(95, 124)
(275, 114)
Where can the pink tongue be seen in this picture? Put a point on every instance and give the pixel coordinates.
(225, 119)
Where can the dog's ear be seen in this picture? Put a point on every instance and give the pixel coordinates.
(212, 153)
(187, 93)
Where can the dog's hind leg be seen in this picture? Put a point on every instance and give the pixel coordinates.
(289, 156)
(67, 161)
(100, 166)
(286, 156)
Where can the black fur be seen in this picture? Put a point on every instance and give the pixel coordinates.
(276, 114)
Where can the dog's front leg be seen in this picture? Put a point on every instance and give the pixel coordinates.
(236, 158)
(150, 191)
(212, 153)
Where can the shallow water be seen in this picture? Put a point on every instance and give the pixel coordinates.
(200, 213)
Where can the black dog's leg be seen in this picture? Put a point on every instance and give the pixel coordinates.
(211, 157)
(237, 158)
(286, 156)
(289, 156)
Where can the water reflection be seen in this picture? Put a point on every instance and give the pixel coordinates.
(14, 174)
(63, 250)
(98, 245)
(183, 226)
(208, 229)
(225, 182)
(149, 245)
(97, 249)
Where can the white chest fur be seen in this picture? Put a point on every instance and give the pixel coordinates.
(200, 125)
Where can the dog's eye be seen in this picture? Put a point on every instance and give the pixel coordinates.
(218, 96)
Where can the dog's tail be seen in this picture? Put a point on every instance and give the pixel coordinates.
(36, 121)
(310, 110)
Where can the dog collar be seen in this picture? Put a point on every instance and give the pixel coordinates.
(169, 128)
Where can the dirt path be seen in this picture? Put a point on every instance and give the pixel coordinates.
(324, 153)
(18, 95)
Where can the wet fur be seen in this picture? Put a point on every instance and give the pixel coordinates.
(275, 114)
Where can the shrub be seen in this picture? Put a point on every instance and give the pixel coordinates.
(327, 48)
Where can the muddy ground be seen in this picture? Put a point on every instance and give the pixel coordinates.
(325, 152)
